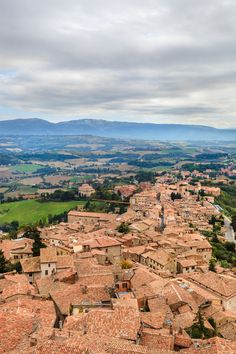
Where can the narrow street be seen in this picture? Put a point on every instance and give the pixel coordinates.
(229, 234)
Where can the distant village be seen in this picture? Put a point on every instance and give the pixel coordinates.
(141, 282)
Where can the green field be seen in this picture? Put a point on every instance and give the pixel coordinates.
(31, 211)
(26, 168)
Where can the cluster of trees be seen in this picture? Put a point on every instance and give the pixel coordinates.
(145, 176)
(234, 222)
(46, 156)
(47, 170)
(105, 194)
(10, 228)
(59, 196)
(227, 199)
(9, 199)
(52, 219)
(217, 223)
(55, 219)
(175, 196)
(98, 170)
(202, 167)
(211, 156)
(223, 252)
(96, 207)
(198, 329)
(8, 159)
(6, 266)
(123, 228)
(150, 164)
(104, 207)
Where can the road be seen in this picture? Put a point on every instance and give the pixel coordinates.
(229, 234)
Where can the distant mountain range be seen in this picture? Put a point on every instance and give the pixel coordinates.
(103, 128)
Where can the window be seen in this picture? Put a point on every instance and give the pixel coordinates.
(49, 264)
(46, 272)
(30, 274)
(124, 285)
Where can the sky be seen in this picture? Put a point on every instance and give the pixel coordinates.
(159, 61)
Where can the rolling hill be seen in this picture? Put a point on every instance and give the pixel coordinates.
(115, 129)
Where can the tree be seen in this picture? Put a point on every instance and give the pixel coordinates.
(234, 222)
(213, 220)
(230, 246)
(126, 264)
(212, 322)
(198, 329)
(145, 176)
(3, 262)
(215, 238)
(42, 222)
(14, 267)
(123, 228)
(34, 234)
(201, 193)
(216, 228)
(172, 196)
(10, 228)
(224, 263)
(175, 196)
(17, 267)
(212, 265)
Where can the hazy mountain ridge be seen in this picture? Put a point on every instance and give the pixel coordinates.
(115, 129)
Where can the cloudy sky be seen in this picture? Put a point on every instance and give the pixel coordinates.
(170, 61)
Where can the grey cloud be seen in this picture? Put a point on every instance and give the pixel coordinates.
(132, 58)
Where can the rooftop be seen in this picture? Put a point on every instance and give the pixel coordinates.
(48, 255)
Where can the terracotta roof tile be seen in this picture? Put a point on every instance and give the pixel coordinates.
(13, 329)
(122, 322)
(31, 265)
(48, 255)
(65, 262)
(18, 289)
(158, 340)
(42, 311)
(78, 294)
(222, 285)
(153, 319)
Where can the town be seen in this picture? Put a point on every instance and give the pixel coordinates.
(147, 280)
(117, 177)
